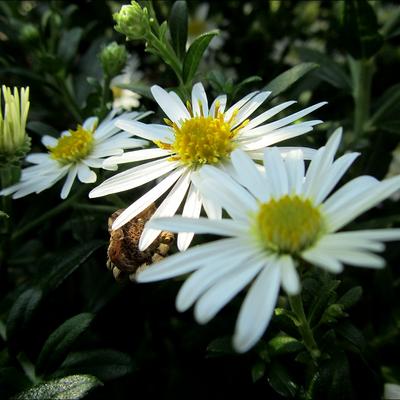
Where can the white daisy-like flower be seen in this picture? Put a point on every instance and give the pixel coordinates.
(74, 154)
(280, 216)
(195, 135)
(123, 98)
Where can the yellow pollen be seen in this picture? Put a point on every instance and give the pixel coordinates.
(288, 225)
(203, 140)
(73, 147)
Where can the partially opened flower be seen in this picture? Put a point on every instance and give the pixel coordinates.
(74, 154)
(194, 136)
(280, 217)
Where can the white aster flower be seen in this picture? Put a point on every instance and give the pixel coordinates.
(194, 136)
(74, 154)
(123, 98)
(280, 216)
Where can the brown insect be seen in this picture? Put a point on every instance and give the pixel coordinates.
(124, 258)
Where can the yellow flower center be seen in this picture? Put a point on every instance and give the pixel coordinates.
(203, 140)
(73, 147)
(288, 225)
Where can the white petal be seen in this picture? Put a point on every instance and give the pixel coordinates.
(362, 203)
(348, 193)
(49, 141)
(307, 152)
(221, 264)
(166, 209)
(69, 181)
(275, 172)
(149, 197)
(212, 209)
(137, 155)
(37, 158)
(257, 308)
(250, 107)
(238, 105)
(223, 227)
(134, 177)
(174, 109)
(224, 290)
(151, 132)
(249, 176)
(328, 262)
(361, 259)
(187, 261)
(266, 115)
(90, 123)
(199, 100)
(85, 174)
(220, 101)
(290, 277)
(191, 209)
(374, 234)
(294, 164)
(348, 241)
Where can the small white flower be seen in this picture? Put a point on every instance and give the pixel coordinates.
(280, 215)
(195, 135)
(391, 391)
(74, 154)
(123, 98)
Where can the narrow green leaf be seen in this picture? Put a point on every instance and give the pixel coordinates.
(284, 344)
(3, 215)
(387, 106)
(280, 380)
(71, 387)
(194, 54)
(351, 297)
(360, 30)
(285, 80)
(67, 263)
(22, 311)
(178, 27)
(61, 341)
(332, 313)
(328, 71)
(257, 371)
(41, 128)
(105, 364)
(68, 45)
(349, 332)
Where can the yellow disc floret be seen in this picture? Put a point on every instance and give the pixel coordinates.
(73, 147)
(203, 139)
(288, 225)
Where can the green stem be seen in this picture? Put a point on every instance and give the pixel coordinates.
(105, 96)
(296, 304)
(97, 208)
(49, 214)
(361, 71)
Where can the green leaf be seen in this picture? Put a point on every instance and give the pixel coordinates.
(257, 371)
(328, 71)
(61, 341)
(334, 379)
(178, 27)
(387, 106)
(41, 128)
(105, 364)
(280, 381)
(352, 335)
(351, 297)
(68, 45)
(22, 312)
(194, 54)
(360, 33)
(67, 263)
(3, 215)
(71, 387)
(332, 313)
(220, 346)
(284, 344)
(241, 85)
(285, 80)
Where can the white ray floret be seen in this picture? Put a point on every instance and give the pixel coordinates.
(195, 135)
(281, 216)
(74, 153)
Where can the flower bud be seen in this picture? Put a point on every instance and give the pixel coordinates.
(113, 58)
(132, 21)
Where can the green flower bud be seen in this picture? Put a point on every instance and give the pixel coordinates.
(132, 21)
(14, 142)
(113, 58)
(29, 34)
